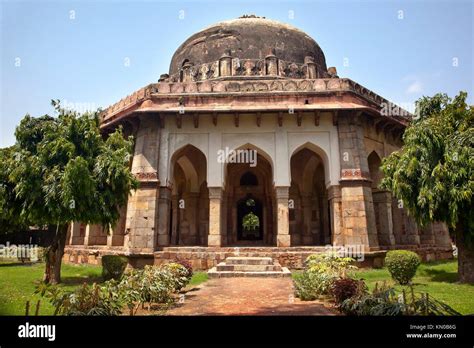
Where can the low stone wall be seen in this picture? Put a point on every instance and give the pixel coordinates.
(203, 258)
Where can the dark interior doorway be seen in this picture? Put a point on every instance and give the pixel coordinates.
(249, 219)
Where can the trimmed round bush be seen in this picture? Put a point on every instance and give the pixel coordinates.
(402, 265)
(113, 266)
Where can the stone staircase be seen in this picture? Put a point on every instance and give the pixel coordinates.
(249, 267)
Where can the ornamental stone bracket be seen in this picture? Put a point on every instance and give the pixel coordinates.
(355, 175)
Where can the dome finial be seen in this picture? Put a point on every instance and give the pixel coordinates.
(250, 16)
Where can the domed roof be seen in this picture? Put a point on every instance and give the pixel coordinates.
(248, 37)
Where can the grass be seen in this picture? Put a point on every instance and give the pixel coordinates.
(438, 279)
(18, 283)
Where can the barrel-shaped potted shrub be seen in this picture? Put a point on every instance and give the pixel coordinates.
(402, 265)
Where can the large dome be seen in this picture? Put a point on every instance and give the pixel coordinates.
(248, 37)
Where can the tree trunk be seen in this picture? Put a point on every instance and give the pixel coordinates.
(465, 256)
(54, 256)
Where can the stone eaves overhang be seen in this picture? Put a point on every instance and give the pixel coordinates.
(255, 96)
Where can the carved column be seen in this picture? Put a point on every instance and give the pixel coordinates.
(225, 65)
(216, 237)
(164, 210)
(335, 211)
(283, 222)
(384, 219)
(358, 217)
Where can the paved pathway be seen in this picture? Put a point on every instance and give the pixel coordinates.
(247, 296)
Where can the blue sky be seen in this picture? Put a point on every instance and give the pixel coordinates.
(77, 51)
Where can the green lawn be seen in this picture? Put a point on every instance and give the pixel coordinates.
(18, 281)
(439, 279)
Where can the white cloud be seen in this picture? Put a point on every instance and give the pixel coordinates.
(414, 87)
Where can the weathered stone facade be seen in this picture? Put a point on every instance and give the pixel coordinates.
(318, 142)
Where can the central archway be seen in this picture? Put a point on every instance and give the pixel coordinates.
(249, 201)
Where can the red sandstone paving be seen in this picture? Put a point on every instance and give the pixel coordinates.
(247, 296)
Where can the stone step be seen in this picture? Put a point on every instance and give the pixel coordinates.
(223, 266)
(214, 273)
(249, 261)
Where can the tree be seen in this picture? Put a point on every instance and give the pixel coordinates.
(433, 173)
(62, 170)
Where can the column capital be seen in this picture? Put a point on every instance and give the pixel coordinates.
(282, 192)
(215, 192)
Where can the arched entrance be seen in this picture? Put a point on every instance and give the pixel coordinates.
(189, 215)
(308, 206)
(249, 200)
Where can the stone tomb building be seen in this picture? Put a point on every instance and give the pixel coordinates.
(304, 149)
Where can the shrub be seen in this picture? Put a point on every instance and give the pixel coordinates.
(321, 270)
(187, 265)
(92, 299)
(330, 263)
(344, 288)
(113, 266)
(402, 265)
(384, 301)
(179, 274)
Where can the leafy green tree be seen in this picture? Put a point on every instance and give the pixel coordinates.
(62, 170)
(433, 173)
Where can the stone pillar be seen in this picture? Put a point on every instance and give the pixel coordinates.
(335, 211)
(311, 68)
(306, 213)
(358, 217)
(164, 210)
(95, 235)
(216, 237)
(441, 235)
(117, 233)
(225, 65)
(283, 222)
(141, 224)
(427, 237)
(271, 65)
(384, 219)
(76, 236)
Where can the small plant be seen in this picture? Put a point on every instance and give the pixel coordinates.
(179, 274)
(402, 265)
(92, 299)
(344, 288)
(113, 266)
(321, 270)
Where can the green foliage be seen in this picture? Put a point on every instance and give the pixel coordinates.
(151, 284)
(330, 263)
(402, 265)
(320, 272)
(433, 173)
(61, 170)
(383, 300)
(180, 275)
(250, 222)
(92, 299)
(113, 266)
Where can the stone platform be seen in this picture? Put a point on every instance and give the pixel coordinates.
(249, 267)
(204, 258)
